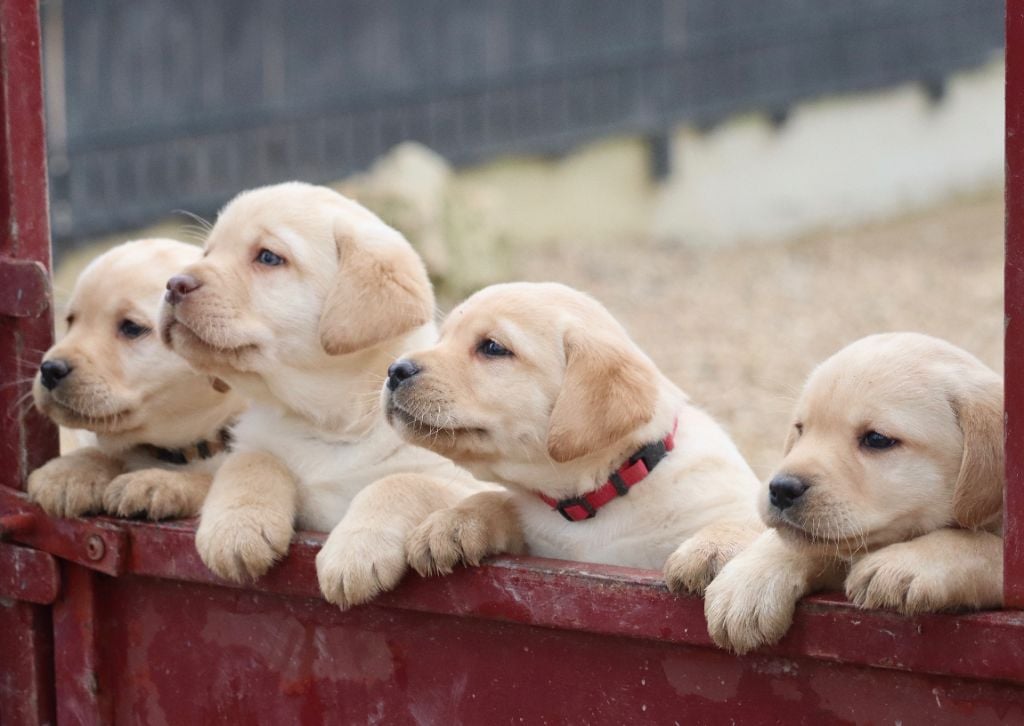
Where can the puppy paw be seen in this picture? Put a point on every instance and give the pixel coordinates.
(72, 485)
(699, 559)
(692, 567)
(156, 494)
(447, 538)
(916, 577)
(749, 607)
(353, 567)
(242, 544)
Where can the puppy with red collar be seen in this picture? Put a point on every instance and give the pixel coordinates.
(538, 387)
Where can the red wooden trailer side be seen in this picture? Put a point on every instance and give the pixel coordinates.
(108, 621)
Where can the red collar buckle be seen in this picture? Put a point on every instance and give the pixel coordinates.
(636, 469)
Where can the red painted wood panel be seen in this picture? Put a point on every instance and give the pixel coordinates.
(1014, 283)
(26, 322)
(188, 653)
(622, 602)
(79, 644)
(28, 575)
(26, 665)
(26, 439)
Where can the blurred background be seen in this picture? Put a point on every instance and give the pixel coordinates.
(748, 185)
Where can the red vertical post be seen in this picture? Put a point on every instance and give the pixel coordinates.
(26, 317)
(26, 324)
(84, 698)
(1013, 564)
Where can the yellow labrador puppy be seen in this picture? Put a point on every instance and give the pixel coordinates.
(301, 300)
(159, 427)
(536, 386)
(892, 478)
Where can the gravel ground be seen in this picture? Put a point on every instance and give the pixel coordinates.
(740, 328)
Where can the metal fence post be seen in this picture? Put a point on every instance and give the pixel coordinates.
(26, 318)
(26, 324)
(1014, 283)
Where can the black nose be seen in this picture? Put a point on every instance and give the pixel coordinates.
(52, 372)
(400, 371)
(179, 286)
(784, 490)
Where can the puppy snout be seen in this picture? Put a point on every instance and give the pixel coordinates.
(52, 372)
(401, 371)
(179, 286)
(785, 489)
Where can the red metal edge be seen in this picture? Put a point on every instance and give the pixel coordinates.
(28, 575)
(1013, 560)
(631, 603)
(97, 543)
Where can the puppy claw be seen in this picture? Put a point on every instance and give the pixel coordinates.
(692, 567)
(73, 485)
(155, 494)
(908, 577)
(242, 546)
(448, 538)
(700, 558)
(748, 607)
(355, 566)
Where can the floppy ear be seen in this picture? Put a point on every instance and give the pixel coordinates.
(609, 390)
(978, 494)
(381, 289)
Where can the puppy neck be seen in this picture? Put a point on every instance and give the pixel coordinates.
(193, 420)
(339, 395)
(579, 476)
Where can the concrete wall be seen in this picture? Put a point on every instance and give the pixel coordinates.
(835, 162)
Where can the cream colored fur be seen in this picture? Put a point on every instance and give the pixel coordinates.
(557, 416)
(127, 392)
(914, 527)
(309, 341)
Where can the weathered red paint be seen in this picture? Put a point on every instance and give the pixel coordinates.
(26, 323)
(80, 647)
(300, 660)
(28, 575)
(24, 289)
(146, 634)
(1013, 562)
(26, 664)
(614, 601)
(71, 540)
(26, 319)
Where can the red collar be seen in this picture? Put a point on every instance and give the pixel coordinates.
(634, 471)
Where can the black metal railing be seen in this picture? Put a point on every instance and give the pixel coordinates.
(159, 105)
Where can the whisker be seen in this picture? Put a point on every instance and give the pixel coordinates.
(204, 224)
(17, 382)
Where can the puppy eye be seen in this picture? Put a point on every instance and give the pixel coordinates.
(130, 329)
(799, 428)
(493, 349)
(268, 258)
(877, 441)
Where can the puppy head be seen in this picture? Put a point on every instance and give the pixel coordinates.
(294, 274)
(110, 373)
(895, 435)
(524, 372)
